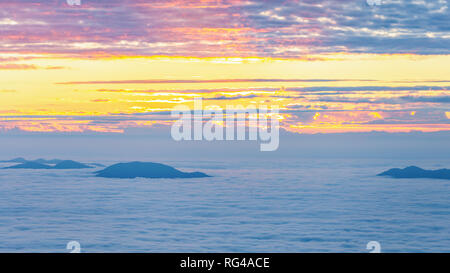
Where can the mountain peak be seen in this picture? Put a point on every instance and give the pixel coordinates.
(416, 172)
(145, 170)
(30, 165)
(63, 165)
(70, 164)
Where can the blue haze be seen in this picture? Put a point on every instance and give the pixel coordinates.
(293, 200)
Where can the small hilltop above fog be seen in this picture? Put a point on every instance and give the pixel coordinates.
(16, 160)
(29, 165)
(46, 164)
(416, 172)
(69, 164)
(145, 170)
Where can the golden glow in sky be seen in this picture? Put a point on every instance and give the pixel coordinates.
(93, 74)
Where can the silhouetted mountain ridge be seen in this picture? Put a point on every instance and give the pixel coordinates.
(62, 165)
(15, 160)
(45, 161)
(30, 165)
(40, 161)
(145, 170)
(70, 164)
(120, 170)
(416, 172)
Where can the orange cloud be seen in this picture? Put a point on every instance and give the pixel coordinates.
(27, 67)
(17, 67)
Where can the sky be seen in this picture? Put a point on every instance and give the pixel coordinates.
(112, 66)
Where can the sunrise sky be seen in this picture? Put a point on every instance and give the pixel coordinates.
(331, 66)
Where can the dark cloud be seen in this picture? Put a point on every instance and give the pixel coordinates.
(432, 99)
(288, 28)
(368, 88)
(397, 100)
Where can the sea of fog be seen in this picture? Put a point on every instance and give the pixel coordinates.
(247, 206)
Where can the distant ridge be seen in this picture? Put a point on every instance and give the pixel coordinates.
(121, 170)
(145, 170)
(40, 161)
(416, 172)
(51, 161)
(62, 165)
(30, 165)
(69, 164)
(15, 160)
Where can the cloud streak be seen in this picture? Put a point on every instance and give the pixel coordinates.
(205, 81)
(288, 29)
